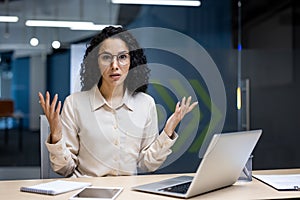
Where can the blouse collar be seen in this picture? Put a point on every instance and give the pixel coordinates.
(97, 100)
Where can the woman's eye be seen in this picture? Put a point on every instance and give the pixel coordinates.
(123, 57)
(105, 57)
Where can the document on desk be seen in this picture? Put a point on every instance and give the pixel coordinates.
(55, 187)
(281, 182)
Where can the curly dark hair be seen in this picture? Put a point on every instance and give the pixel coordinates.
(138, 75)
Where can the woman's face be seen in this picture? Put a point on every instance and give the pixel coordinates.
(113, 61)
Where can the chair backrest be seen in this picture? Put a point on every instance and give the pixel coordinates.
(46, 170)
(6, 108)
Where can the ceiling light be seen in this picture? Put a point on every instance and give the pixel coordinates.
(9, 18)
(92, 27)
(34, 42)
(159, 2)
(61, 24)
(55, 44)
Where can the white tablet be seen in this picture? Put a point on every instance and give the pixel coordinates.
(97, 193)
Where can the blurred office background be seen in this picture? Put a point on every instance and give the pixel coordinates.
(254, 44)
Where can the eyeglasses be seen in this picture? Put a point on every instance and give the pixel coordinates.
(107, 58)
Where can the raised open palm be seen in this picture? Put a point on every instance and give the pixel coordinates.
(52, 112)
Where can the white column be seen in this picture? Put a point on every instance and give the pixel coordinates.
(37, 84)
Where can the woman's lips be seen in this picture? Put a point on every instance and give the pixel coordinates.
(115, 76)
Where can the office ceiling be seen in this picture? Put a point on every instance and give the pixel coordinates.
(16, 36)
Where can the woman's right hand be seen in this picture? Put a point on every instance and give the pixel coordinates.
(52, 112)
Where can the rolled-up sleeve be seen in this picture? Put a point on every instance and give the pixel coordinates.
(61, 158)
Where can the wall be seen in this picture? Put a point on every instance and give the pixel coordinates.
(272, 64)
(58, 74)
(20, 87)
(37, 84)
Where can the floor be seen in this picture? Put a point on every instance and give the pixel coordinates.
(18, 163)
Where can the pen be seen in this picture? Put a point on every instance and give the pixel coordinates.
(296, 188)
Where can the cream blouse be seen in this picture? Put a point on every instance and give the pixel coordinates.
(98, 140)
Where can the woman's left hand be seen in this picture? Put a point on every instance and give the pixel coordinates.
(182, 108)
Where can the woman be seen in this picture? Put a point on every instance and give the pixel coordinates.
(110, 127)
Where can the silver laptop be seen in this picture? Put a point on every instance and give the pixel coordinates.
(221, 166)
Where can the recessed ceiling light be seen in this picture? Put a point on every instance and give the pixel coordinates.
(34, 42)
(55, 44)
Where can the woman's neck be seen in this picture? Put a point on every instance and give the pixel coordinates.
(113, 95)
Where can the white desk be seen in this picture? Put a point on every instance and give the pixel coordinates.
(10, 190)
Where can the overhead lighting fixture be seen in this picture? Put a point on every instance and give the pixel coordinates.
(60, 24)
(34, 42)
(9, 19)
(55, 44)
(93, 27)
(159, 2)
(73, 25)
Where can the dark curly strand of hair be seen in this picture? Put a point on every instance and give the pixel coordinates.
(138, 76)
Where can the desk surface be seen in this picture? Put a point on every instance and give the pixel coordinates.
(240, 190)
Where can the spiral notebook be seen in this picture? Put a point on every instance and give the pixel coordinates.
(55, 187)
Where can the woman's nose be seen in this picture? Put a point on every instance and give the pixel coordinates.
(114, 62)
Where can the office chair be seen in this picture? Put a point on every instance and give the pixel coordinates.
(46, 170)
